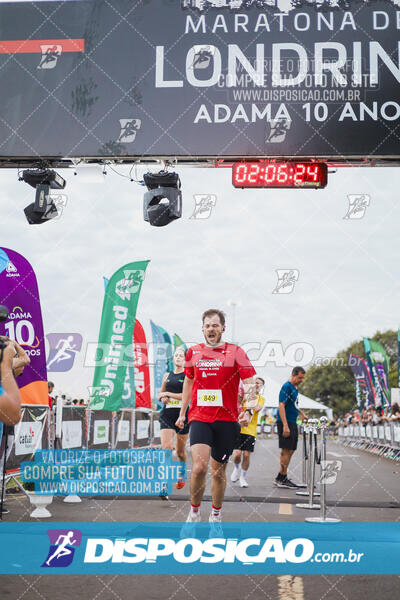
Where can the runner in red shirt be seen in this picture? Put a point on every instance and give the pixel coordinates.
(212, 374)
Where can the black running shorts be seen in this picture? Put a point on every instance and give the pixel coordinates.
(245, 442)
(220, 436)
(168, 417)
(288, 443)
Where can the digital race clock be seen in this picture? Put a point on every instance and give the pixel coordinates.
(279, 174)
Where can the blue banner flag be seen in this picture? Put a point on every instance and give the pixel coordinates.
(168, 349)
(160, 360)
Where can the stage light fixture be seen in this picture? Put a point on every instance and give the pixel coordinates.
(163, 201)
(48, 177)
(43, 209)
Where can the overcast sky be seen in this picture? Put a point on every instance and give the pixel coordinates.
(348, 269)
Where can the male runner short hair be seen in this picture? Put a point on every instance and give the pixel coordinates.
(287, 424)
(212, 374)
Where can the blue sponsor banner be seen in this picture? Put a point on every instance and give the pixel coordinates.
(165, 548)
(137, 472)
(160, 360)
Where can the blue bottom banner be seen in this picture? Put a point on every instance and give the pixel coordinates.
(188, 548)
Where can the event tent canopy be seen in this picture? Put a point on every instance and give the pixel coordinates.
(271, 395)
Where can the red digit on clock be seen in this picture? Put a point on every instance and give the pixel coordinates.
(300, 170)
(241, 172)
(312, 171)
(252, 178)
(282, 173)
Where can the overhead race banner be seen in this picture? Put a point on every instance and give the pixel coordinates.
(115, 338)
(362, 376)
(160, 360)
(378, 362)
(209, 78)
(141, 364)
(19, 292)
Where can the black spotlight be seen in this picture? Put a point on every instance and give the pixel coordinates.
(43, 209)
(163, 202)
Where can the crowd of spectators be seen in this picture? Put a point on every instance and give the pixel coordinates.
(373, 415)
(67, 400)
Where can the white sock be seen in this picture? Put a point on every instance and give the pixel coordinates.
(236, 467)
(216, 512)
(194, 508)
(244, 473)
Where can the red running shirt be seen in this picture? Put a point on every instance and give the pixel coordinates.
(214, 369)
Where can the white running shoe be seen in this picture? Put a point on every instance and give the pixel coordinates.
(243, 482)
(215, 526)
(235, 475)
(189, 528)
(193, 517)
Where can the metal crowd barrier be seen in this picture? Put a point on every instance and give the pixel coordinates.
(383, 440)
(80, 428)
(30, 434)
(267, 429)
(311, 458)
(73, 427)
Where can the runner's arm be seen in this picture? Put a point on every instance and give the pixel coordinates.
(250, 394)
(282, 414)
(21, 360)
(10, 401)
(163, 396)
(186, 396)
(303, 415)
(175, 396)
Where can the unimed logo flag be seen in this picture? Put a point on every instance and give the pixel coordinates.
(19, 292)
(115, 337)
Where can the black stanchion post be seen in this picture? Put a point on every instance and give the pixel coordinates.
(304, 482)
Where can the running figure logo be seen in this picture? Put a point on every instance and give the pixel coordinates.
(358, 204)
(63, 543)
(63, 348)
(204, 204)
(286, 281)
(330, 470)
(50, 55)
(278, 131)
(60, 202)
(129, 127)
(202, 56)
(130, 284)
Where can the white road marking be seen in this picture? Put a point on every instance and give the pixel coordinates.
(336, 455)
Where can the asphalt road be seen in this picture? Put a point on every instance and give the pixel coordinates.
(367, 489)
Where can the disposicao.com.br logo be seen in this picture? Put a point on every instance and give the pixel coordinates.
(248, 551)
(191, 550)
